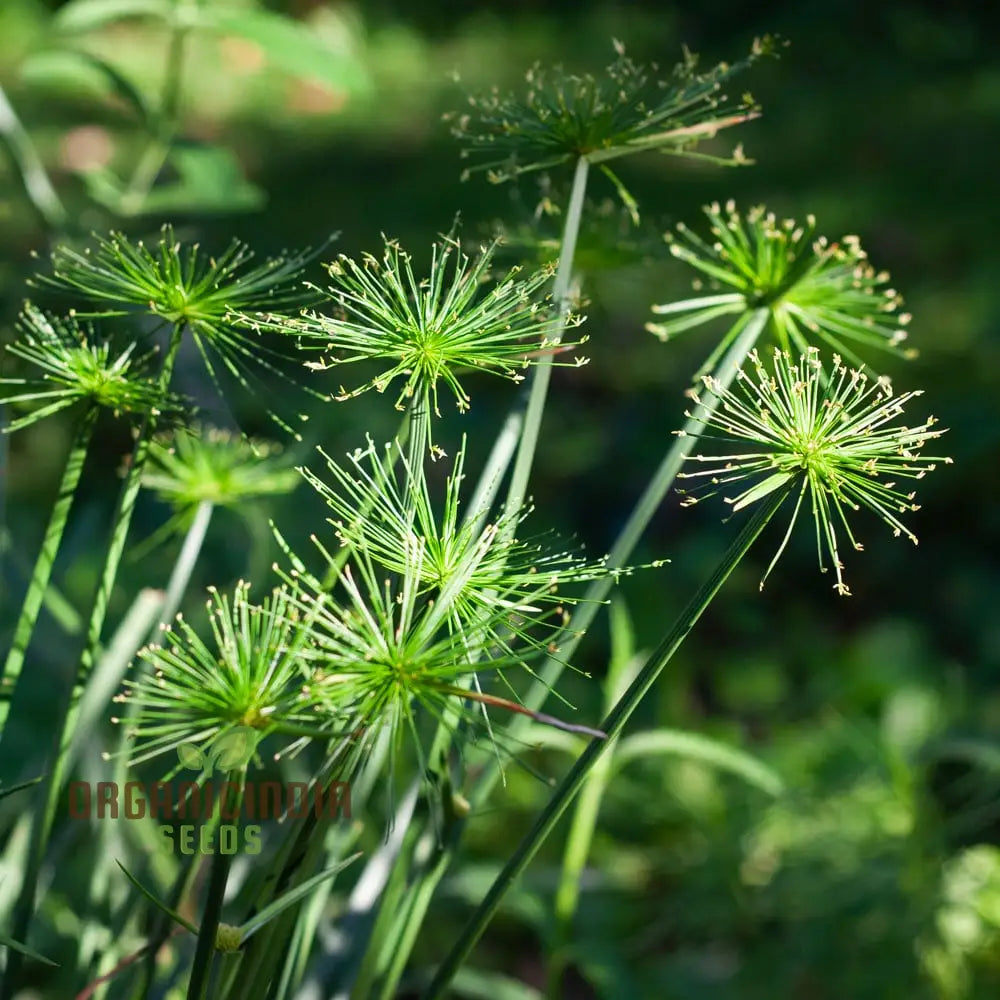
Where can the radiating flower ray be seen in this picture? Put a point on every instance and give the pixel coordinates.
(246, 674)
(197, 465)
(475, 571)
(74, 364)
(562, 116)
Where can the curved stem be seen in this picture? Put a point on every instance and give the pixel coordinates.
(497, 463)
(126, 507)
(522, 425)
(180, 576)
(612, 725)
(37, 184)
(39, 581)
(588, 806)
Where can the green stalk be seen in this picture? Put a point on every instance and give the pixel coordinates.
(497, 463)
(180, 577)
(162, 926)
(48, 797)
(39, 581)
(586, 611)
(37, 185)
(542, 372)
(420, 894)
(204, 951)
(296, 859)
(126, 507)
(612, 726)
(158, 147)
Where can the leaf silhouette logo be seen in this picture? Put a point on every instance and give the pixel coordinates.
(234, 749)
(191, 756)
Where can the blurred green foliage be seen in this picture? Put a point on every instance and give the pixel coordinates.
(878, 874)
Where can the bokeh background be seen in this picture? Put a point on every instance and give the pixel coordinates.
(878, 874)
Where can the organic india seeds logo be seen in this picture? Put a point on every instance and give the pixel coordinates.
(188, 810)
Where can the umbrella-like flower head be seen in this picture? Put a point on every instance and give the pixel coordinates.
(74, 365)
(627, 109)
(833, 434)
(426, 331)
(813, 289)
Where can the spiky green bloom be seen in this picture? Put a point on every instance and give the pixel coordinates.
(74, 365)
(380, 651)
(832, 434)
(198, 465)
(480, 573)
(385, 653)
(183, 285)
(564, 116)
(246, 675)
(428, 607)
(814, 289)
(427, 331)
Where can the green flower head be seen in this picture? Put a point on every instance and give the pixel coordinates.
(245, 675)
(813, 289)
(426, 332)
(833, 435)
(563, 117)
(195, 466)
(428, 608)
(74, 365)
(481, 573)
(182, 285)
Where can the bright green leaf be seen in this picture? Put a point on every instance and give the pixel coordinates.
(282, 903)
(694, 746)
(157, 902)
(86, 15)
(478, 985)
(290, 46)
(78, 69)
(210, 181)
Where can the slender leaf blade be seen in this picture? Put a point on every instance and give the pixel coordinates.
(704, 750)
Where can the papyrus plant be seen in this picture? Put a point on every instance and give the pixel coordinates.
(411, 643)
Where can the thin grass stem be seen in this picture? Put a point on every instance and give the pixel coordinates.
(37, 184)
(542, 373)
(42, 572)
(204, 952)
(584, 613)
(157, 149)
